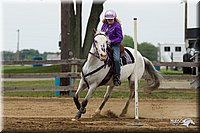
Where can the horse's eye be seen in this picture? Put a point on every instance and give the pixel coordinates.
(95, 41)
(107, 42)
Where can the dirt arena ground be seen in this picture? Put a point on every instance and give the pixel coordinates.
(55, 114)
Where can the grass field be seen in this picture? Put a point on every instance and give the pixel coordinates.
(56, 68)
(31, 69)
(115, 94)
(121, 91)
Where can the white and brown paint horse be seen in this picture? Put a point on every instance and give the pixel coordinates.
(95, 69)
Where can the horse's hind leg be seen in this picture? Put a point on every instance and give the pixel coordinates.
(132, 93)
(105, 99)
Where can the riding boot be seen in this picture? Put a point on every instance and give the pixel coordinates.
(116, 80)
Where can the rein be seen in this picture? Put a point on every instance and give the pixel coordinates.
(94, 55)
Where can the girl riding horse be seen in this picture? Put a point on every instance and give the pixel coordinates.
(113, 30)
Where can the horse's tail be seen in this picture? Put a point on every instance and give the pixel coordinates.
(155, 76)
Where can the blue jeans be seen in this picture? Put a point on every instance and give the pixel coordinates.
(116, 57)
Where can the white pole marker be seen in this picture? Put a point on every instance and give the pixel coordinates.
(136, 76)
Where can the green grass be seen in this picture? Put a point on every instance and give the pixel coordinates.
(118, 92)
(10, 67)
(172, 95)
(115, 94)
(171, 72)
(124, 84)
(28, 83)
(57, 68)
(31, 69)
(29, 94)
(121, 91)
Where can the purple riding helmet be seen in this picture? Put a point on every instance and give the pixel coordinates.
(110, 14)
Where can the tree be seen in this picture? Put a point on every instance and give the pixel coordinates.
(25, 54)
(65, 30)
(71, 28)
(8, 55)
(128, 41)
(28, 54)
(148, 50)
(97, 8)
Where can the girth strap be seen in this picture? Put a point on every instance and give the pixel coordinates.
(107, 77)
(90, 73)
(94, 71)
(85, 80)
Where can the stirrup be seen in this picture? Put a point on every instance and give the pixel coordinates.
(117, 82)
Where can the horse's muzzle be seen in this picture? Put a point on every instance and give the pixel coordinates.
(103, 57)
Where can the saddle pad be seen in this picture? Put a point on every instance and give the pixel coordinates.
(127, 58)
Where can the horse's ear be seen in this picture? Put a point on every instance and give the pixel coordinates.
(94, 30)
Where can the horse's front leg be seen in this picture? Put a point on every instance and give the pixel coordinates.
(81, 87)
(82, 109)
(105, 99)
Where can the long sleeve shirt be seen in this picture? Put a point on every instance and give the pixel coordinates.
(114, 32)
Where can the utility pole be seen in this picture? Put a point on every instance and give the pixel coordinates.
(198, 47)
(18, 33)
(186, 19)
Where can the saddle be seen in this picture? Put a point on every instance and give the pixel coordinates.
(125, 55)
(110, 50)
(121, 50)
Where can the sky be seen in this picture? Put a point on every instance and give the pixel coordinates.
(160, 21)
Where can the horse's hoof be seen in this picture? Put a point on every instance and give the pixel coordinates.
(98, 111)
(78, 115)
(83, 111)
(74, 119)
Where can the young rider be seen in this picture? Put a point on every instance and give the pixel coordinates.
(113, 29)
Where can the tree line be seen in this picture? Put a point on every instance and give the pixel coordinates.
(147, 49)
(25, 54)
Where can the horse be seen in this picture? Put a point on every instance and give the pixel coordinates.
(96, 68)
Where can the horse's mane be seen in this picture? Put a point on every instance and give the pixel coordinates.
(100, 32)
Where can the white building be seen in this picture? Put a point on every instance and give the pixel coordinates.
(169, 52)
(53, 57)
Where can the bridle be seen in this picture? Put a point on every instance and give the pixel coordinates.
(95, 47)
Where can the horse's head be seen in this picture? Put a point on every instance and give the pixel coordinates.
(100, 44)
